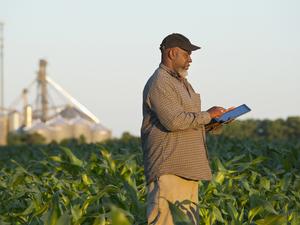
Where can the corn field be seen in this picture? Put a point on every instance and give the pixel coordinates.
(254, 182)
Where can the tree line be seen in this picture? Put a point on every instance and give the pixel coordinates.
(263, 129)
(279, 129)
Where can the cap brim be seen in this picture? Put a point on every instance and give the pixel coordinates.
(194, 47)
(190, 48)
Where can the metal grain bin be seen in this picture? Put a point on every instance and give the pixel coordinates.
(61, 128)
(27, 116)
(41, 128)
(3, 129)
(100, 133)
(81, 127)
(14, 121)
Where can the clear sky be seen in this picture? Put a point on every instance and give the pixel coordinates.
(103, 52)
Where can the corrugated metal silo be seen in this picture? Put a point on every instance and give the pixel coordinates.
(100, 133)
(61, 128)
(41, 128)
(28, 116)
(14, 121)
(81, 127)
(3, 129)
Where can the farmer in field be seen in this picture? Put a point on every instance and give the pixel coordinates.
(173, 134)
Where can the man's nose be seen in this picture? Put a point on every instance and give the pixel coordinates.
(189, 59)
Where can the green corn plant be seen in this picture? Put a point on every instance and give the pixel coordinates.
(253, 183)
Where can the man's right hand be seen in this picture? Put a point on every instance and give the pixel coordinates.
(216, 111)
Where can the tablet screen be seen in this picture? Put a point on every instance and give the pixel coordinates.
(232, 114)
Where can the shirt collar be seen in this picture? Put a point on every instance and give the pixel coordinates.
(171, 72)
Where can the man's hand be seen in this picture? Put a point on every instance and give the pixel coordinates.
(216, 111)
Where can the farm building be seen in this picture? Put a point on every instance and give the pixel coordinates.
(52, 112)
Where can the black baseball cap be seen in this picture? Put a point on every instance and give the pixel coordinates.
(178, 40)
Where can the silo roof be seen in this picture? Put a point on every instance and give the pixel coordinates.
(57, 121)
(71, 112)
(79, 120)
(99, 127)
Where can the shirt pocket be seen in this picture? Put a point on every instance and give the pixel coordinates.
(187, 101)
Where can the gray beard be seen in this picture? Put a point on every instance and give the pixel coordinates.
(183, 73)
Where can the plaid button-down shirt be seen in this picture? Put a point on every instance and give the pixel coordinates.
(172, 133)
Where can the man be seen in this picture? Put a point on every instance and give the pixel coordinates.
(173, 133)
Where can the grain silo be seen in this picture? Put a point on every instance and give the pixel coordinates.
(42, 129)
(59, 118)
(27, 116)
(3, 129)
(100, 133)
(14, 121)
(81, 127)
(61, 128)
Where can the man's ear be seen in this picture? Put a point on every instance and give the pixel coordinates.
(172, 53)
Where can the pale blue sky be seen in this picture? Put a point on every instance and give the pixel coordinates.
(103, 52)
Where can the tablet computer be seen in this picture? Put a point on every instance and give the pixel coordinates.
(232, 114)
(226, 117)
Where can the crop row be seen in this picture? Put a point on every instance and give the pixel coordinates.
(253, 183)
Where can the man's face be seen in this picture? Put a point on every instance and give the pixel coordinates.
(182, 61)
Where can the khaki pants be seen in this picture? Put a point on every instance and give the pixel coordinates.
(171, 188)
